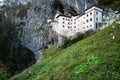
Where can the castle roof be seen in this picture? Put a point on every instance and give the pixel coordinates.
(94, 6)
(63, 16)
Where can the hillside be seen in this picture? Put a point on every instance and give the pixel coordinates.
(94, 58)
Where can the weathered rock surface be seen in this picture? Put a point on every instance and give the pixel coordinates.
(34, 31)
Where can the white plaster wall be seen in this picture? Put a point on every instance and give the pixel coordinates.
(78, 23)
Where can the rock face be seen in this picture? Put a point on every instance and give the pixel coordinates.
(35, 33)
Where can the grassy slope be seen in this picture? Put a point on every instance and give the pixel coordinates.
(94, 58)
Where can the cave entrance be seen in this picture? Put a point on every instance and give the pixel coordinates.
(57, 5)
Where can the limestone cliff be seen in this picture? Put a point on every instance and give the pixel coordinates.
(34, 31)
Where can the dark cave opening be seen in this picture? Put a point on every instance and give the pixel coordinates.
(56, 5)
(65, 9)
(72, 11)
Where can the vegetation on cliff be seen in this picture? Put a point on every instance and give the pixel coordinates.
(115, 4)
(14, 57)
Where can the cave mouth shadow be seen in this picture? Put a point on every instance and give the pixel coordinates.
(57, 5)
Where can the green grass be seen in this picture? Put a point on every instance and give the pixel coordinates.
(94, 58)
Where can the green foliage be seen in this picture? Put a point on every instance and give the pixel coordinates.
(3, 72)
(80, 70)
(50, 51)
(15, 58)
(4, 75)
(94, 58)
(105, 2)
(69, 42)
(115, 3)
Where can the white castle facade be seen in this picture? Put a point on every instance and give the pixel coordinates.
(70, 25)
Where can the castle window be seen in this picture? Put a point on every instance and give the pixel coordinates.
(96, 19)
(90, 13)
(90, 19)
(96, 13)
(90, 25)
(63, 18)
(63, 26)
(83, 27)
(74, 26)
(87, 21)
(68, 23)
(63, 22)
(87, 26)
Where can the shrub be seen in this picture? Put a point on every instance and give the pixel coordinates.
(89, 32)
(3, 72)
(109, 3)
(117, 4)
(69, 42)
(50, 51)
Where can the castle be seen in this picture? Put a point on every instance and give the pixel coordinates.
(70, 25)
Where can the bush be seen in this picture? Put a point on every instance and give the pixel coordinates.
(89, 32)
(50, 51)
(69, 42)
(117, 4)
(4, 75)
(3, 71)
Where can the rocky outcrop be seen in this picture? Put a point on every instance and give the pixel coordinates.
(34, 31)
